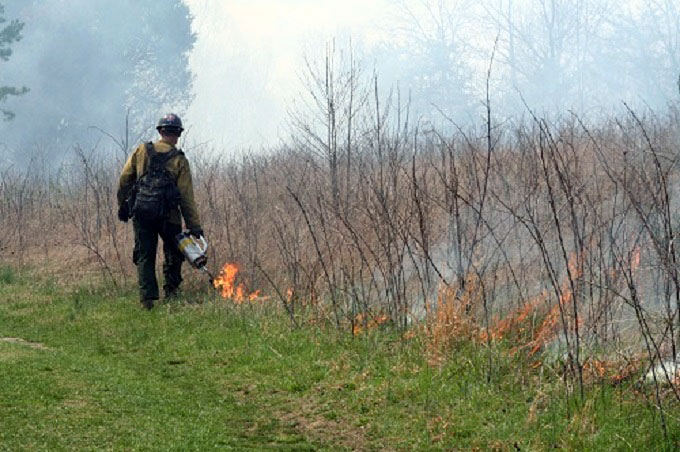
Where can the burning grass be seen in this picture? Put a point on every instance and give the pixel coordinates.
(457, 317)
(225, 283)
(527, 331)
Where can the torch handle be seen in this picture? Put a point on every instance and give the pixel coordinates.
(207, 272)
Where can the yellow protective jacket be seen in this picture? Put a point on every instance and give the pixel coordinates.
(178, 167)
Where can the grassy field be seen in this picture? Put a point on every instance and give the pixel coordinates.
(83, 369)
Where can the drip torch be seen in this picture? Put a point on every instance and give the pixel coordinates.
(194, 250)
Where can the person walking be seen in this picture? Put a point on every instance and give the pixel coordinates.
(156, 191)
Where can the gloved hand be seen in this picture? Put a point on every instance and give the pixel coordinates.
(123, 212)
(196, 231)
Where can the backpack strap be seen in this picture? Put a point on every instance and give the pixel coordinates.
(150, 151)
(172, 153)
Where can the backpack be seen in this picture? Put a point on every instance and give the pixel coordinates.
(156, 192)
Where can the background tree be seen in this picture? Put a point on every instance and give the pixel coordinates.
(429, 54)
(9, 34)
(585, 56)
(650, 33)
(550, 50)
(96, 63)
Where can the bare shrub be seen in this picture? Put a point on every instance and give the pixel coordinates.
(557, 236)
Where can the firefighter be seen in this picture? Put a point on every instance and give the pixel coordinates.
(156, 190)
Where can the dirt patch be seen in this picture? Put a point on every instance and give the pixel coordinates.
(24, 342)
(309, 417)
(310, 421)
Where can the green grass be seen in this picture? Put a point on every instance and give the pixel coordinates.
(94, 371)
(7, 275)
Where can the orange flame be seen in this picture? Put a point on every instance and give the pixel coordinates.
(362, 320)
(502, 326)
(226, 284)
(548, 328)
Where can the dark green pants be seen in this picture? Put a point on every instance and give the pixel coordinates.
(144, 257)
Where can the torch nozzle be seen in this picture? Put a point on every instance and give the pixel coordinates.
(207, 272)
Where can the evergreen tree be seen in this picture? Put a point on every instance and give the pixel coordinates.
(9, 34)
(98, 65)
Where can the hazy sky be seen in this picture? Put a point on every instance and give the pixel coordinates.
(248, 56)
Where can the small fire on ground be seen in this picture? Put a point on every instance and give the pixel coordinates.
(226, 284)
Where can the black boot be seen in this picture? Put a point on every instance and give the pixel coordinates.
(170, 293)
(147, 304)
